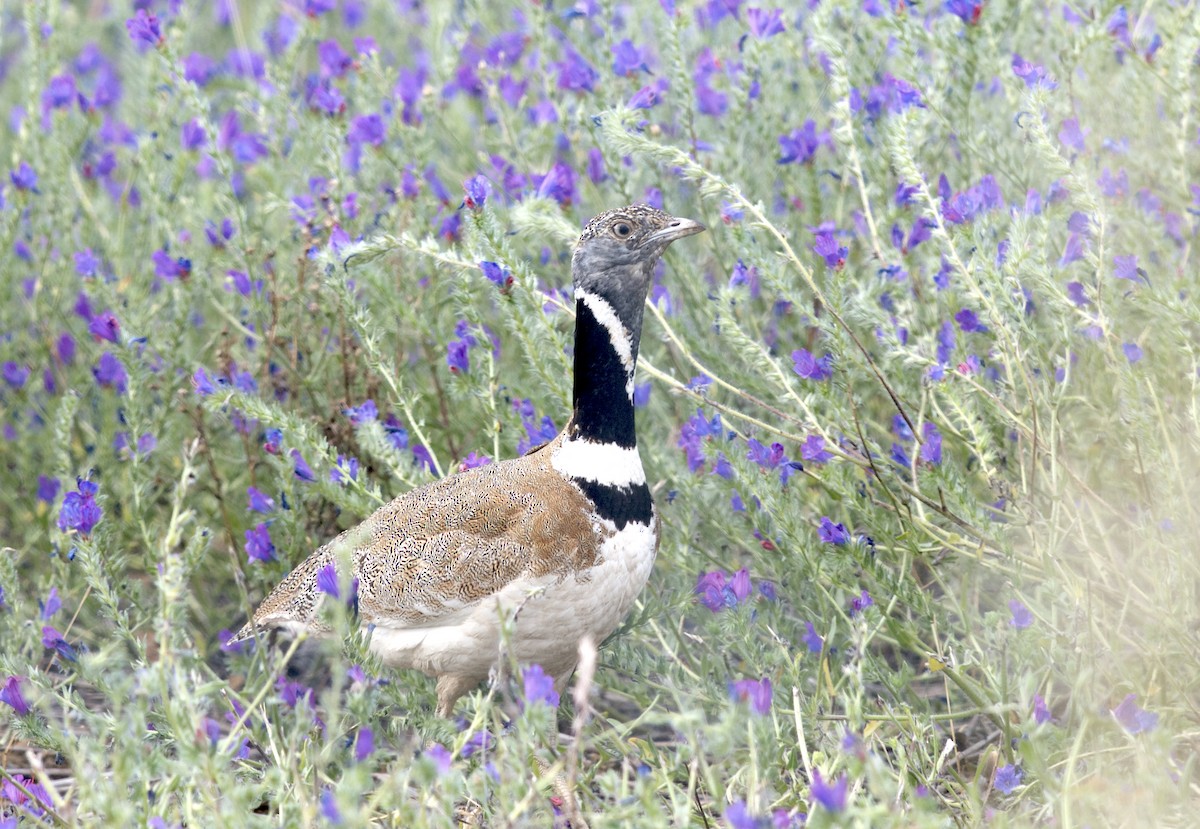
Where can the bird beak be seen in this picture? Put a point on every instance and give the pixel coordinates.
(675, 229)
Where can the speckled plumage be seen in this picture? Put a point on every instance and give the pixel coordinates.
(566, 533)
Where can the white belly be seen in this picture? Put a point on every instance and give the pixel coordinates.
(553, 614)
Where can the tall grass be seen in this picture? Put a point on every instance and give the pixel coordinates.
(919, 410)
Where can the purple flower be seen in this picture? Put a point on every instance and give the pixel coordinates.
(327, 581)
(827, 247)
(738, 816)
(1041, 713)
(498, 275)
(79, 510)
(628, 60)
(260, 502)
(473, 461)
(345, 469)
(1032, 73)
(931, 448)
(11, 696)
(813, 450)
(422, 458)
(1132, 718)
(144, 29)
(259, 546)
(329, 807)
(575, 73)
(60, 92)
(192, 136)
(801, 144)
(1126, 267)
(831, 796)
(15, 375)
(477, 189)
(47, 488)
(558, 184)
(440, 757)
(104, 326)
(245, 147)
(968, 321)
(199, 68)
(364, 744)
(169, 268)
(754, 691)
(650, 95)
(457, 355)
(51, 606)
(1072, 136)
(968, 11)
(24, 178)
(1022, 617)
(362, 414)
(539, 687)
(763, 23)
(87, 264)
(1133, 352)
(832, 533)
(718, 591)
(811, 639)
(810, 367)
(1007, 779)
(55, 641)
(860, 603)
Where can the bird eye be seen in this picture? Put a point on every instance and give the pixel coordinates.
(622, 230)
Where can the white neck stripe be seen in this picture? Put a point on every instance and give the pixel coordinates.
(606, 316)
(603, 463)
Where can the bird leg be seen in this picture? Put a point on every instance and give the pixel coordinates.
(449, 689)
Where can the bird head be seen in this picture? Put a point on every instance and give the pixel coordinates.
(618, 249)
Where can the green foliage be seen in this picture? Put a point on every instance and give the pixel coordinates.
(306, 265)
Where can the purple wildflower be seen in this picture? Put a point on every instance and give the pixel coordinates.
(79, 511)
(931, 449)
(810, 367)
(87, 264)
(364, 744)
(1032, 73)
(477, 189)
(260, 502)
(363, 413)
(104, 326)
(831, 796)
(813, 450)
(1133, 718)
(628, 60)
(801, 144)
(1126, 267)
(831, 533)
(754, 691)
(1007, 779)
(14, 374)
(1041, 712)
(1022, 617)
(1133, 352)
(764, 24)
(301, 469)
(737, 815)
(51, 606)
(575, 73)
(144, 29)
(539, 687)
(828, 248)
(968, 321)
(860, 603)
(440, 757)
(47, 488)
(811, 639)
(24, 177)
(327, 581)
(55, 641)
(259, 546)
(11, 696)
(717, 591)
(968, 11)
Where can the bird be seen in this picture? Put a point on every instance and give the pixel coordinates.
(567, 533)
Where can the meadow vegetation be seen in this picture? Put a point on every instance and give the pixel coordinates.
(919, 410)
